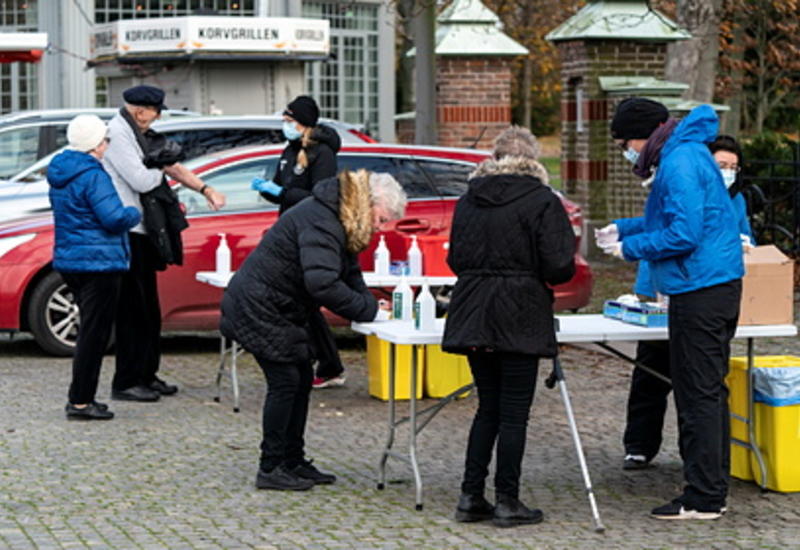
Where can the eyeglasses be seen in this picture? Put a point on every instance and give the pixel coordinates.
(623, 144)
(726, 166)
(108, 140)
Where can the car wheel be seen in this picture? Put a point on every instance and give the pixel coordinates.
(53, 316)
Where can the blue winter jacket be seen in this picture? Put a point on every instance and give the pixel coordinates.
(91, 225)
(689, 232)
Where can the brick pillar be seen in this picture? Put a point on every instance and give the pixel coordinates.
(473, 101)
(593, 171)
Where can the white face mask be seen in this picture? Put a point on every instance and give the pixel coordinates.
(729, 177)
(631, 155)
(290, 131)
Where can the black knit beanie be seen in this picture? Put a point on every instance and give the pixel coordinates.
(637, 118)
(304, 110)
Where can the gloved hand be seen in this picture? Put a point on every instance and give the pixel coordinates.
(607, 235)
(613, 249)
(266, 186)
(747, 244)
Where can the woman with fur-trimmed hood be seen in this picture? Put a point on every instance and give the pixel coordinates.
(307, 259)
(510, 239)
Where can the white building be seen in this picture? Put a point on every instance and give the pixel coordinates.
(355, 84)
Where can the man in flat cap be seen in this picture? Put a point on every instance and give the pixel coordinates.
(138, 324)
(690, 241)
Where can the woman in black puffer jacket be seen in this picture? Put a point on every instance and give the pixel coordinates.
(511, 238)
(309, 157)
(307, 259)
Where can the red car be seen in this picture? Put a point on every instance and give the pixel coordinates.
(34, 298)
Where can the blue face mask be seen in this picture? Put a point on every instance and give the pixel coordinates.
(631, 155)
(290, 131)
(728, 176)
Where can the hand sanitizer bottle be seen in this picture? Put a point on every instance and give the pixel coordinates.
(381, 258)
(223, 256)
(402, 298)
(414, 258)
(425, 310)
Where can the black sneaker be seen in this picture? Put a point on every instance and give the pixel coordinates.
(158, 385)
(307, 470)
(281, 479)
(473, 508)
(135, 393)
(676, 510)
(510, 512)
(89, 412)
(635, 462)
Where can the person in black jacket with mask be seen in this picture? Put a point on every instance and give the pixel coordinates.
(309, 157)
(510, 239)
(308, 258)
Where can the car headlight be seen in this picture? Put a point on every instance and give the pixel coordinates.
(7, 244)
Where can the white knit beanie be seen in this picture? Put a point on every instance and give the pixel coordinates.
(85, 132)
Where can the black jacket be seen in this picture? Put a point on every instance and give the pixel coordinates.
(510, 238)
(297, 182)
(301, 263)
(164, 220)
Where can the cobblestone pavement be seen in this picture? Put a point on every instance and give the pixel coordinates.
(179, 474)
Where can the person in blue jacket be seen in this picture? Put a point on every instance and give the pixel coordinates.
(647, 399)
(691, 243)
(91, 252)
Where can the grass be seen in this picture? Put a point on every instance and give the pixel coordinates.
(553, 166)
(611, 279)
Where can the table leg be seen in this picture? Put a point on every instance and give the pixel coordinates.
(234, 378)
(557, 377)
(751, 418)
(412, 437)
(392, 424)
(221, 370)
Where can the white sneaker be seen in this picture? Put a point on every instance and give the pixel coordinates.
(335, 382)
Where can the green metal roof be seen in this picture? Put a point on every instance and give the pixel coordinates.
(618, 20)
(640, 85)
(677, 104)
(468, 28)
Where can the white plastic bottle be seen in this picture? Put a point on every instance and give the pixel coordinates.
(223, 256)
(402, 299)
(425, 310)
(414, 258)
(382, 258)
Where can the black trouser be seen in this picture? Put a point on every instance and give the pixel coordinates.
(285, 412)
(138, 330)
(647, 401)
(505, 384)
(330, 366)
(701, 325)
(96, 295)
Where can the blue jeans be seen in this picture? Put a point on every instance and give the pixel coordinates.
(505, 384)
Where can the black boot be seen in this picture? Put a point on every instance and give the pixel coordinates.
(473, 508)
(510, 512)
(281, 479)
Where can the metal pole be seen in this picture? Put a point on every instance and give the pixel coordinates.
(424, 24)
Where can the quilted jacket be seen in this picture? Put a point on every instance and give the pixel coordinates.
(91, 225)
(302, 263)
(510, 238)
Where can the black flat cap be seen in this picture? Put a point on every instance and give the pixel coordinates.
(145, 96)
(637, 118)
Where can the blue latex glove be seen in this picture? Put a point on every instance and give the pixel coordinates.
(266, 186)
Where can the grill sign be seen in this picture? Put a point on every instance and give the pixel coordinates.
(184, 35)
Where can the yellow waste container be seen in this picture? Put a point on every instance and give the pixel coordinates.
(378, 369)
(777, 420)
(445, 372)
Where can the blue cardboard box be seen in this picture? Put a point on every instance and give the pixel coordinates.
(613, 309)
(645, 315)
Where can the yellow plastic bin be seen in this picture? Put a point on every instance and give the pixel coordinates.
(445, 372)
(777, 420)
(378, 369)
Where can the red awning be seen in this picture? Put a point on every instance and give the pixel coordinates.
(28, 56)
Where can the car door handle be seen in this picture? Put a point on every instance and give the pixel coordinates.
(412, 225)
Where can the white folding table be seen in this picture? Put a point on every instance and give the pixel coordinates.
(232, 349)
(570, 329)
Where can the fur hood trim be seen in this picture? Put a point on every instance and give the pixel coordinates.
(355, 209)
(512, 165)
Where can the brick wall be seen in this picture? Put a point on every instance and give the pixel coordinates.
(593, 171)
(473, 102)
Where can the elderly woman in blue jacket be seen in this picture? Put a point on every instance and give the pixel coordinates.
(91, 252)
(690, 239)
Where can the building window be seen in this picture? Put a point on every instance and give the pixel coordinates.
(101, 91)
(346, 86)
(18, 81)
(106, 11)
